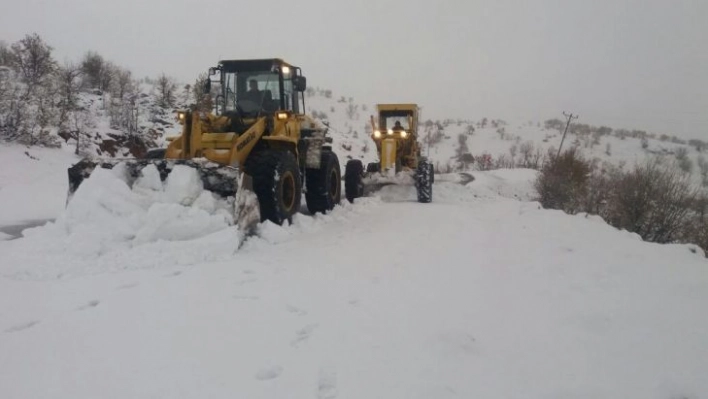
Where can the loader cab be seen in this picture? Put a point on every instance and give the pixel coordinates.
(255, 88)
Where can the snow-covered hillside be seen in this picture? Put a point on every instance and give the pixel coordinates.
(479, 294)
(494, 143)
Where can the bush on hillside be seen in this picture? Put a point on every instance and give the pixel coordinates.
(562, 183)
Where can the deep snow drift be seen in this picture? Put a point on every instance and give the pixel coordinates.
(478, 294)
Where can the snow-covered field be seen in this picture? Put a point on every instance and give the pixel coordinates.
(478, 294)
(33, 183)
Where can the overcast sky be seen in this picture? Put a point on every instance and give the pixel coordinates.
(623, 63)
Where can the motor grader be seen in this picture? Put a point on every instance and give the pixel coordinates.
(258, 144)
(395, 133)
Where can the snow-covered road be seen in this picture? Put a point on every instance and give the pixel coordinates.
(475, 295)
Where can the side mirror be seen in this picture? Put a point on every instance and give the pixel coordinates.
(212, 71)
(299, 83)
(207, 86)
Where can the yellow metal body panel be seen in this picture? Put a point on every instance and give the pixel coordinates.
(388, 154)
(206, 136)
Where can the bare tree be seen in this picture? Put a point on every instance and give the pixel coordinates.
(203, 100)
(703, 169)
(166, 88)
(684, 162)
(351, 110)
(123, 83)
(108, 75)
(5, 54)
(32, 59)
(69, 81)
(92, 66)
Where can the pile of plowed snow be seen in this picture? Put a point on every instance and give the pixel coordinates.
(109, 225)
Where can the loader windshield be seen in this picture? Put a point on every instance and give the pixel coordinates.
(251, 93)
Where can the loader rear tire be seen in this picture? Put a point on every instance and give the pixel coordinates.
(424, 182)
(276, 183)
(324, 185)
(353, 179)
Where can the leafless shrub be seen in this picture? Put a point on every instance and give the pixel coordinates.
(703, 170)
(653, 201)
(504, 162)
(562, 183)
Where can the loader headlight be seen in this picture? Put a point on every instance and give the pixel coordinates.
(282, 116)
(404, 134)
(181, 116)
(377, 134)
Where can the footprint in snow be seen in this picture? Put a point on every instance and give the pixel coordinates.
(90, 304)
(173, 274)
(269, 373)
(127, 286)
(246, 281)
(327, 384)
(303, 334)
(22, 326)
(296, 310)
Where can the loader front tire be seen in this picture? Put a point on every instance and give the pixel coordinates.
(324, 185)
(276, 183)
(353, 179)
(424, 182)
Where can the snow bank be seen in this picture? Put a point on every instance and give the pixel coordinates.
(109, 226)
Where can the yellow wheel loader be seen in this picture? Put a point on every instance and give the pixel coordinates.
(257, 147)
(395, 133)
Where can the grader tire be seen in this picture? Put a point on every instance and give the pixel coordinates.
(353, 180)
(424, 182)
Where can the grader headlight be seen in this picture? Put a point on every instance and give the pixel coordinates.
(377, 134)
(404, 134)
(181, 116)
(390, 131)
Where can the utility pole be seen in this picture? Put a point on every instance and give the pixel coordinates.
(570, 117)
